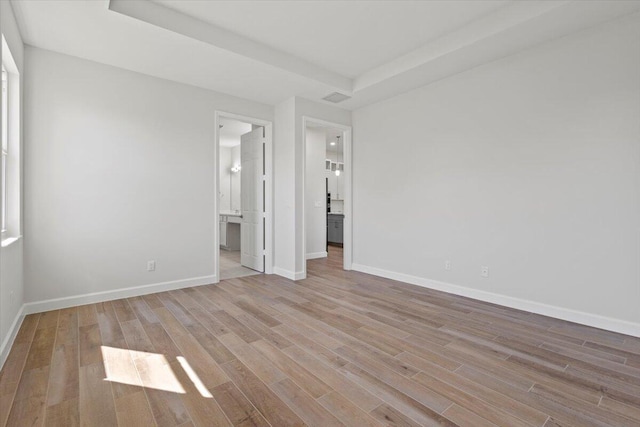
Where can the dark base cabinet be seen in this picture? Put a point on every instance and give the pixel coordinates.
(335, 230)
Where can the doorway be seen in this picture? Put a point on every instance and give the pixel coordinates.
(243, 213)
(327, 195)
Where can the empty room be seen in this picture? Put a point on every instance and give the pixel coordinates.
(320, 213)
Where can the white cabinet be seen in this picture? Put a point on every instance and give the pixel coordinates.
(223, 233)
(336, 183)
(230, 232)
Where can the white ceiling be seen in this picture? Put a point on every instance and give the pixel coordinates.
(332, 136)
(346, 37)
(231, 131)
(88, 29)
(269, 51)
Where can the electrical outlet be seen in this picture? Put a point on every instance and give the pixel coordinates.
(447, 265)
(484, 271)
(151, 265)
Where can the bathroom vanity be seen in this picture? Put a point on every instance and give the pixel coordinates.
(230, 230)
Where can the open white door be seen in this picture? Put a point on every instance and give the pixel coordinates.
(252, 184)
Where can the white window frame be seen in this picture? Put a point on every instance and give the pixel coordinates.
(4, 202)
(11, 164)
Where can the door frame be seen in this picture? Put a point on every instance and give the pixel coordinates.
(348, 202)
(268, 188)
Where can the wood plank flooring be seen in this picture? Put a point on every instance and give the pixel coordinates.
(339, 348)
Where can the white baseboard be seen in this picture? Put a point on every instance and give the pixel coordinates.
(588, 319)
(7, 343)
(66, 302)
(314, 255)
(289, 274)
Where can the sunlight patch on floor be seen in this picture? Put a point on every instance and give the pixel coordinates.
(140, 369)
(194, 378)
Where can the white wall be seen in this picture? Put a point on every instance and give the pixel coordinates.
(284, 207)
(225, 179)
(120, 169)
(288, 168)
(230, 182)
(529, 165)
(11, 257)
(315, 192)
(236, 180)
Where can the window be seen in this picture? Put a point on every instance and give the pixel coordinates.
(5, 147)
(10, 204)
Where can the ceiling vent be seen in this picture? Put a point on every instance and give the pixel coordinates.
(336, 97)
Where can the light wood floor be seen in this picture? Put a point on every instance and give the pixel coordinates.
(337, 348)
(230, 266)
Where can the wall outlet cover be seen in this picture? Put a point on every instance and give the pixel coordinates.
(484, 271)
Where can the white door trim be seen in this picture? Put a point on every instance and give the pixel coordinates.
(348, 175)
(268, 190)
